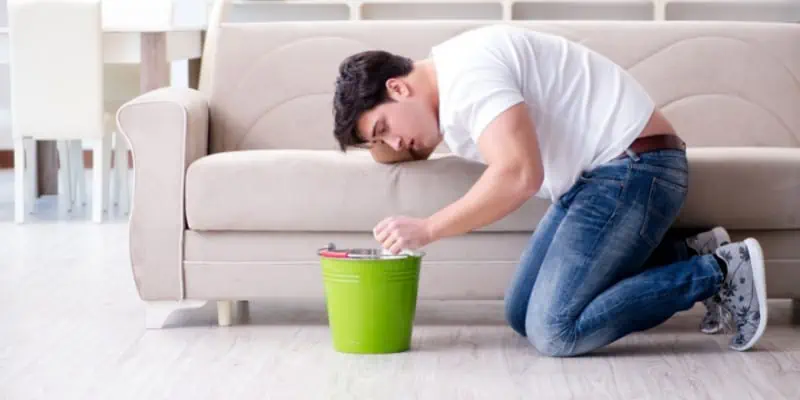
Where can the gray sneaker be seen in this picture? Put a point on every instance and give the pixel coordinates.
(717, 318)
(744, 292)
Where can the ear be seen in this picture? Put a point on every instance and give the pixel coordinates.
(397, 88)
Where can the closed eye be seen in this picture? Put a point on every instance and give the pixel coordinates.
(379, 130)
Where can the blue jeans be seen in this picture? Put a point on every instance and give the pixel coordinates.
(598, 268)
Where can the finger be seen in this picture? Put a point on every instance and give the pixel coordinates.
(381, 226)
(390, 227)
(383, 235)
(397, 247)
(391, 238)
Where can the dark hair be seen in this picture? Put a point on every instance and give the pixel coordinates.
(361, 86)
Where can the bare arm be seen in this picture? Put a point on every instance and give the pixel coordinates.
(514, 174)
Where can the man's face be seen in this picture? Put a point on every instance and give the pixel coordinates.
(406, 123)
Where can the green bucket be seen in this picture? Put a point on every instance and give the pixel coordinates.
(371, 298)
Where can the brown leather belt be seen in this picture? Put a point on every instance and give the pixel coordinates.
(652, 143)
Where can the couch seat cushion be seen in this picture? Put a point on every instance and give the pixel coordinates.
(317, 190)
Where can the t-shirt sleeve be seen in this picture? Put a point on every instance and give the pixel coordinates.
(483, 94)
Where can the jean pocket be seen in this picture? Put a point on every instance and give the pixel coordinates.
(595, 204)
(664, 202)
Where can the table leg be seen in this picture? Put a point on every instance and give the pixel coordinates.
(195, 64)
(194, 73)
(47, 165)
(154, 68)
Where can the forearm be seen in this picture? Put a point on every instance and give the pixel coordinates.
(497, 193)
(386, 155)
(391, 157)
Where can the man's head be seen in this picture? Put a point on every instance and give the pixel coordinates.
(385, 98)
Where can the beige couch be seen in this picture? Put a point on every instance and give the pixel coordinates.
(237, 185)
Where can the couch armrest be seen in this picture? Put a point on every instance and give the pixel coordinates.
(167, 129)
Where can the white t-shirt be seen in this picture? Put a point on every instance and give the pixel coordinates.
(585, 108)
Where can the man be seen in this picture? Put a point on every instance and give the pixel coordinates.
(551, 118)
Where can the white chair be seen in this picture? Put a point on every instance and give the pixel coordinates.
(57, 93)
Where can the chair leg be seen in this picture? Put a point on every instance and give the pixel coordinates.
(64, 178)
(20, 198)
(121, 190)
(31, 177)
(73, 178)
(78, 173)
(114, 194)
(100, 171)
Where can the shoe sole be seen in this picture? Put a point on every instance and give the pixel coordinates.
(760, 282)
(721, 327)
(712, 331)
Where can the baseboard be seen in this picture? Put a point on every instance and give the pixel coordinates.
(7, 159)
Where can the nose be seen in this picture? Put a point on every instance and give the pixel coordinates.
(394, 142)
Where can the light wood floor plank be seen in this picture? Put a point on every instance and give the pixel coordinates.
(73, 328)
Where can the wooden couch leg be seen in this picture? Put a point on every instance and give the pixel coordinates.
(243, 311)
(796, 311)
(224, 312)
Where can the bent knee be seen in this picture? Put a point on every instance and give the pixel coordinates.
(552, 338)
(515, 317)
(552, 345)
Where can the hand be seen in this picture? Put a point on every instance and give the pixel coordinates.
(398, 233)
(384, 154)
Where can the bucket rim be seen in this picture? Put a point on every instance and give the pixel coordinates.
(366, 253)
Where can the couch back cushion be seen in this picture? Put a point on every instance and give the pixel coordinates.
(721, 83)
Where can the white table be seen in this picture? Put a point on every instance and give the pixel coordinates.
(153, 50)
(152, 34)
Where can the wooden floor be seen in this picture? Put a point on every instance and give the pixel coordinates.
(73, 328)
